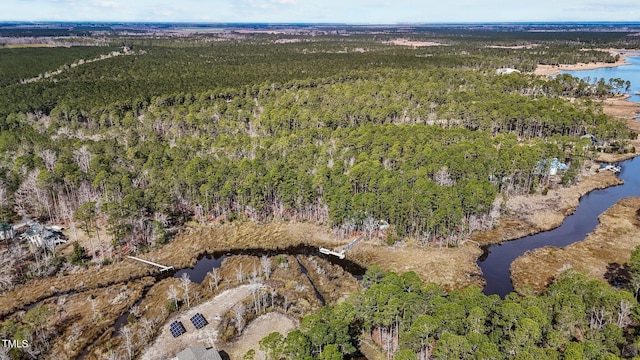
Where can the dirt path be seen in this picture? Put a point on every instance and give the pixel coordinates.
(166, 346)
(603, 251)
(258, 329)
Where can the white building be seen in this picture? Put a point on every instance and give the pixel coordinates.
(6, 231)
(41, 236)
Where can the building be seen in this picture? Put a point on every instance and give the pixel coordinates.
(507, 71)
(6, 231)
(42, 236)
(198, 352)
(550, 167)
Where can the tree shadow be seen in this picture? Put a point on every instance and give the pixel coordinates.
(617, 275)
(224, 355)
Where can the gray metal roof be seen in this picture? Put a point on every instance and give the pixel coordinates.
(199, 352)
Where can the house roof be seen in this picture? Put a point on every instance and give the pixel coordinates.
(198, 352)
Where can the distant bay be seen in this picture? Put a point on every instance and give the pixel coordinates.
(629, 72)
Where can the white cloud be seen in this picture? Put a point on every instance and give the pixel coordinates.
(107, 4)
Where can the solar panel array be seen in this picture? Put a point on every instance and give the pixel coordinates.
(198, 321)
(177, 329)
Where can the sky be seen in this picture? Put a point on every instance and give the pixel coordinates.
(320, 11)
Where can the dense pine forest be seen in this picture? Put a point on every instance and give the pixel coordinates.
(575, 318)
(135, 136)
(337, 132)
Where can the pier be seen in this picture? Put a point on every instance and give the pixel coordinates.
(341, 253)
(162, 267)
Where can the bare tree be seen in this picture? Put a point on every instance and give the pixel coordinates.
(94, 308)
(6, 281)
(135, 310)
(62, 301)
(4, 353)
(4, 200)
(369, 224)
(216, 277)
(83, 157)
(185, 281)
(443, 178)
(146, 329)
(172, 294)
(196, 297)
(127, 335)
(624, 314)
(254, 275)
(49, 157)
(266, 266)
(239, 312)
(239, 273)
(256, 303)
(25, 197)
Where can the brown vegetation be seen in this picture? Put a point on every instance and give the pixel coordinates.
(452, 268)
(609, 246)
(530, 214)
(324, 276)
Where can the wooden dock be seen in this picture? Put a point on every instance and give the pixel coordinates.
(341, 253)
(162, 267)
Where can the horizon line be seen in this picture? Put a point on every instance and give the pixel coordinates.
(282, 23)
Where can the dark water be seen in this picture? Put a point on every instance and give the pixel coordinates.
(497, 259)
(304, 271)
(208, 262)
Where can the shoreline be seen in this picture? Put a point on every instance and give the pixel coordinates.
(536, 215)
(600, 254)
(533, 214)
(550, 70)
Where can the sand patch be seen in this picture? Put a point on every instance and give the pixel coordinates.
(258, 329)
(514, 47)
(166, 346)
(414, 44)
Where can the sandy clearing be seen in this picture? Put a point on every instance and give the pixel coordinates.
(514, 47)
(166, 346)
(407, 42)
(258, 329)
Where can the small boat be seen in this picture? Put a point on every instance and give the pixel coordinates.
(612, 168)
(326, 251)
(636, 93)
